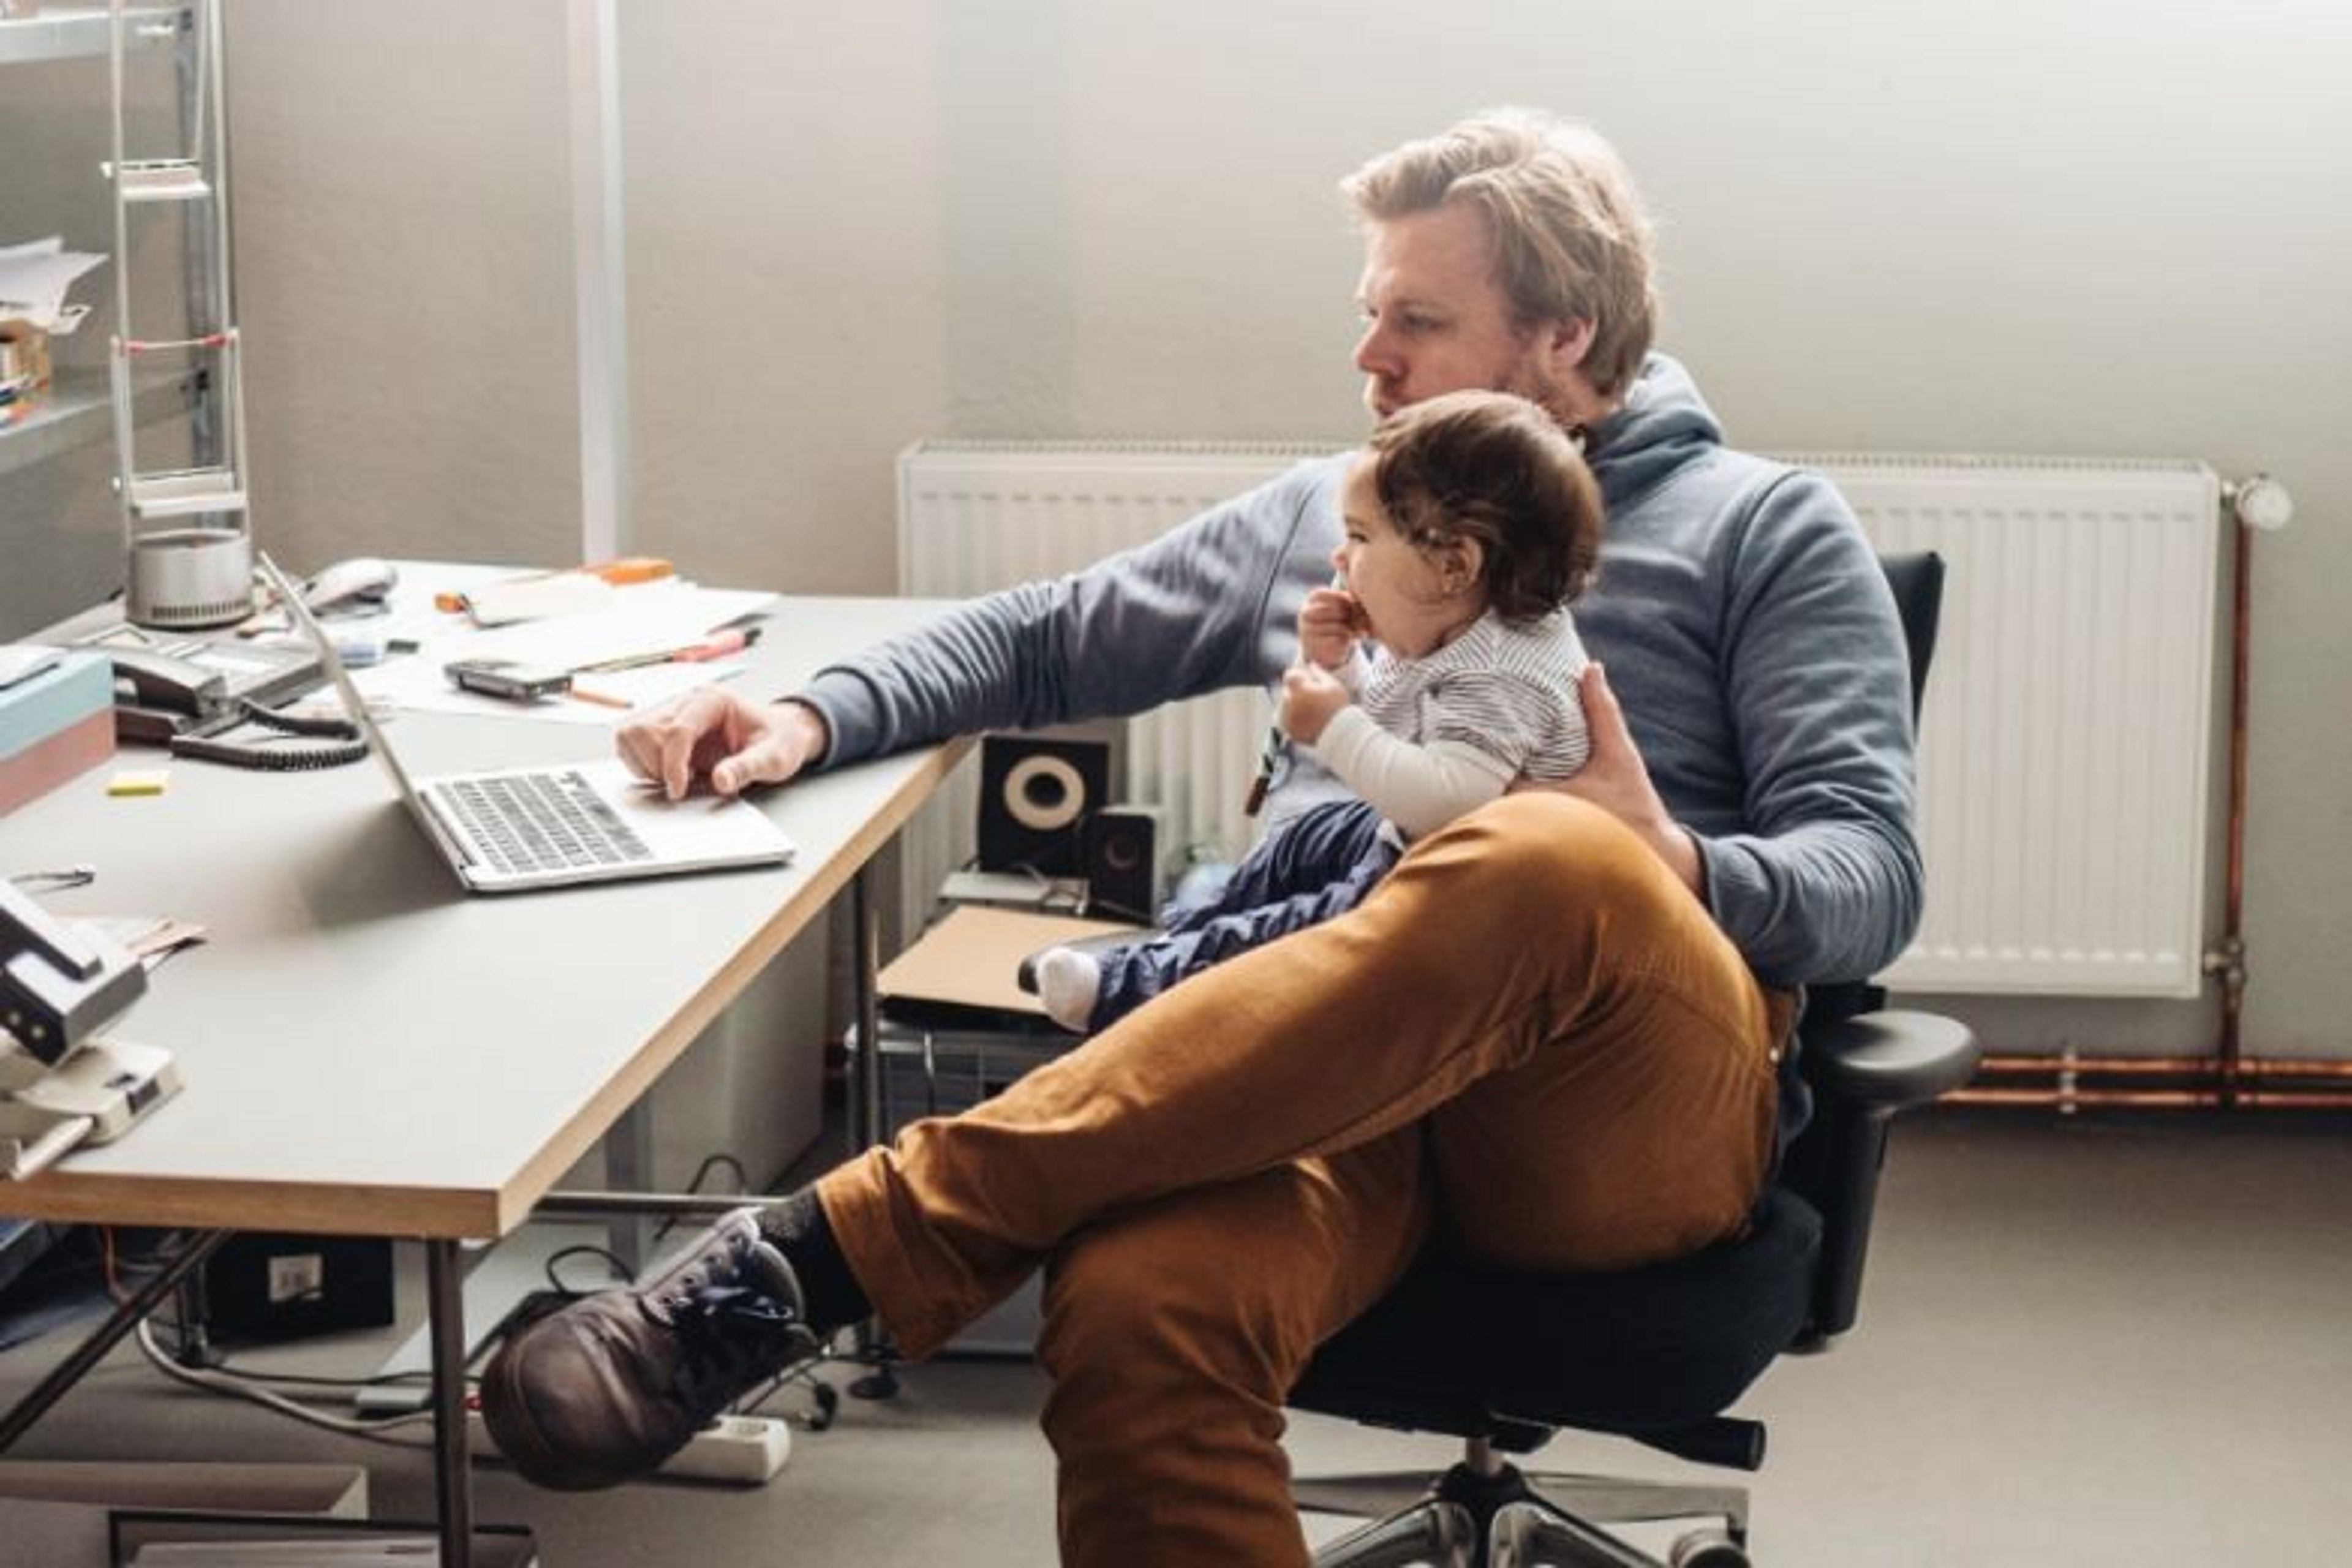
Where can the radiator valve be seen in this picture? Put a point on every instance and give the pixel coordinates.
(2261, 502)
(2227, 962)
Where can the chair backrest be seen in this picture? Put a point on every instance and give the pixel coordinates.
(1916, 580)
(1826, 1162)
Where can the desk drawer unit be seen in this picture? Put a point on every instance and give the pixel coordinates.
(932, 1071)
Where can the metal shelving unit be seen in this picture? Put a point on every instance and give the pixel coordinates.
(186, 526)
(77, 32)
(76, 412)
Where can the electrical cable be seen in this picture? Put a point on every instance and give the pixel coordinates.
(621, 1271)
(693, 1184)
(298, 742)
(319, 1379)
(237, 1386)
(828, 1397)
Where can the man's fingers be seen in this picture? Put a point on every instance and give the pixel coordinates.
(762, 761)
(637, 752)
(644, 742)
(678, 738)
(677, 734)
(705, 729)
(1604, 721)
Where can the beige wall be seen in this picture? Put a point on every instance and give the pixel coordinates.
(2004, 226)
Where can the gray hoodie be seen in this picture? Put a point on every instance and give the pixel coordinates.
(1745, 624)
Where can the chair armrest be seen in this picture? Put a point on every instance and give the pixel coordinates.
(1866, 1067)
(1893, 1060)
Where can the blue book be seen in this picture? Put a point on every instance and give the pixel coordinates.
(54, 696)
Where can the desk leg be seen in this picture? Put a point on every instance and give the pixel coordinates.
(629, 1168)
(453, 1480)
(92, 1351)
(866, 914)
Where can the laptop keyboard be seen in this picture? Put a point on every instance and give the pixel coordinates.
(541, 822)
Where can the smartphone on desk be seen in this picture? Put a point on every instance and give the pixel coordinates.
(511, 679)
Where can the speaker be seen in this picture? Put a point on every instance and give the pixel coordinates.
(1034, 799)
(1123, 857)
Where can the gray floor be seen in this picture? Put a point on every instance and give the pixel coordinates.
(2084, 1342)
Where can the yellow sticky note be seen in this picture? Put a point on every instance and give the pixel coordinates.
(138, 781)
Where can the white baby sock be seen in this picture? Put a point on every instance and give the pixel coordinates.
(1068, 981)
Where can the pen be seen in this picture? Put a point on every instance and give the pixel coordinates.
(1267, 761)
(716, 646)
(1270, 758)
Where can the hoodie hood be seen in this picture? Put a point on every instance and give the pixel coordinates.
(1664, 425)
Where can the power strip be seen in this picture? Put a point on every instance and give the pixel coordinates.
(742, 1450)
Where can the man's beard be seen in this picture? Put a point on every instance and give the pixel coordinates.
(1527, 376)
(1529, 379)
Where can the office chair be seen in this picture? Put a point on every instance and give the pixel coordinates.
(1504, 1359)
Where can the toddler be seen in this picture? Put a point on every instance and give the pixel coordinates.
(1440, 665)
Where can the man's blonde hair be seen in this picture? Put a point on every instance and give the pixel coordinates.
(1572, 236)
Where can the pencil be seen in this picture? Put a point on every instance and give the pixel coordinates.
(601, 698)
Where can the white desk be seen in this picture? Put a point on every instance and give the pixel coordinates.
(367, 1049)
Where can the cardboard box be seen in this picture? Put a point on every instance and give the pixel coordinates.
(23, 356)
(971, 958)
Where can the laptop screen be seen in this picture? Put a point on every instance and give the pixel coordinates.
(355, 706)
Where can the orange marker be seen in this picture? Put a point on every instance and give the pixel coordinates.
(627, 570)
(632, 569)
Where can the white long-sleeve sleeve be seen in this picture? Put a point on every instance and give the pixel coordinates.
(1418, 788)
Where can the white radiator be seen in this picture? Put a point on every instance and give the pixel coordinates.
(2064, 751)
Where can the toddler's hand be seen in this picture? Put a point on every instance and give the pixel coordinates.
(1310, 696)
(1329, 622)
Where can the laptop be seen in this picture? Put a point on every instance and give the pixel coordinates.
(512, 829)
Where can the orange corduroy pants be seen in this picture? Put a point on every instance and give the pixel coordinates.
(1529, 1036)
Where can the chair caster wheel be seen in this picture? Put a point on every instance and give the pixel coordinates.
(1710, 1547)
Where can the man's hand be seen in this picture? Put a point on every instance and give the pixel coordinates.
(1615, 778)
(711, 732)
(1329, 622)
(1309, 697)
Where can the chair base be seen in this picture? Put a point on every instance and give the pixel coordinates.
(1487, 1513)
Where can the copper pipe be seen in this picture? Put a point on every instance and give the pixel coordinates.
(2252, 1090)
(2147, 1066)
(2068, 1099)
(2233, 951)
(2314, 1099)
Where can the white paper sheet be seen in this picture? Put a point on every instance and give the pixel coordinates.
(34, 279)
(641, 618)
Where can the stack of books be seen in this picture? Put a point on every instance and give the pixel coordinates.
(57, 718)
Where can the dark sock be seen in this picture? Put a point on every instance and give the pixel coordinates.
(795, 1225)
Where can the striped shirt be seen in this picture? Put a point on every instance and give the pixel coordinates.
(1506, 692)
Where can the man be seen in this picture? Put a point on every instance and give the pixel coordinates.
(1549, 1035)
